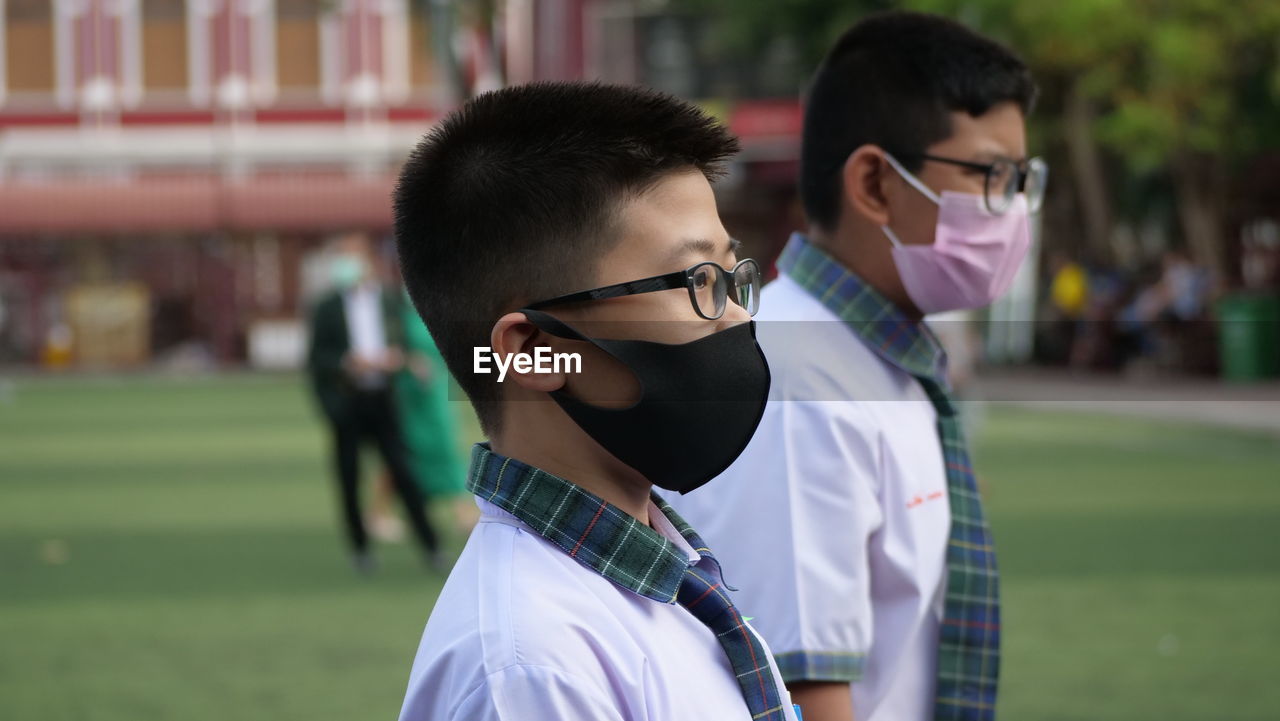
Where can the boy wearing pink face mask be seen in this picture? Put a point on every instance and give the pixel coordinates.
(853, 516)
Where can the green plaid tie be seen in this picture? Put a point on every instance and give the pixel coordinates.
(704, 596)
(969, 647)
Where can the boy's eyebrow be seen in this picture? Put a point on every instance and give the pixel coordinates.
(990, 156)
(704, 246)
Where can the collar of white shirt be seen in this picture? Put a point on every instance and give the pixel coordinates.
(592, 531)
(902, 341)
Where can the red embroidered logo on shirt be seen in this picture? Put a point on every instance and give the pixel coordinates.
(920, 500)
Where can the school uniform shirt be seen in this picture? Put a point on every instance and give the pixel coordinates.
(834, 522)
(362, 306)
(564, 607)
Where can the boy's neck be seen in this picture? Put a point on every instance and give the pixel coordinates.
(865, 250)
(594, 471)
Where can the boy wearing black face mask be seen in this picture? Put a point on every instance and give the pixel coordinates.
(580, 219)
(854, 515)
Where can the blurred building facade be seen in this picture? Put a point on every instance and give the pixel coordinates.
(169, 169)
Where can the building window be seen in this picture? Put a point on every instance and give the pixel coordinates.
(298, 45)
(164, 44)
(26, 47)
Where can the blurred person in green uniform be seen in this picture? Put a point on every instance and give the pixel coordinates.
(428, 422)
(428, 425)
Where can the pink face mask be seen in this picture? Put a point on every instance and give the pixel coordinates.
(974, 255)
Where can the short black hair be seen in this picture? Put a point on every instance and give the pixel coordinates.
(893, 80)
(512, 199)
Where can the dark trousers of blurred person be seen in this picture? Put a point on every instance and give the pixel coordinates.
(371, 416)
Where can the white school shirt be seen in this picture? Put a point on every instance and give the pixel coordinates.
(834, 521)
(362, 306)
(521, 631)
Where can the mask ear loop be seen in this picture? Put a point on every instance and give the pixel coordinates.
(914, 182)
(550, 324)
(554, 326)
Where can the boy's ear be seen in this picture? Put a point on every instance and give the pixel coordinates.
(512, 334)
(866, 177)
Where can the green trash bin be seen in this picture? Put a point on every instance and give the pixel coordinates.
(1249, 336)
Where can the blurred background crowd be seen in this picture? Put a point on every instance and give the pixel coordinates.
(170, 169)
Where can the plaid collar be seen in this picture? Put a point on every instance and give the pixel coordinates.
(906, 343)
(595, 533)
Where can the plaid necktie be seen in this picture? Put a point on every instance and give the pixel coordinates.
(704, 596)
(969, 647)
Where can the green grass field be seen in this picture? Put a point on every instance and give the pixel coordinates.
(169, 550)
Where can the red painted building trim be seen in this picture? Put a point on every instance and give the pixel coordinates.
(198, 203)
(757, 119)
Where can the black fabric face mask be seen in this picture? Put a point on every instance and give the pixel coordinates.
(700, 403)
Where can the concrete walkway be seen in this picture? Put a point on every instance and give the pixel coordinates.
(1254, 406)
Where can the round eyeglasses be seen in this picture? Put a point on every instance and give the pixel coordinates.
(708, 283)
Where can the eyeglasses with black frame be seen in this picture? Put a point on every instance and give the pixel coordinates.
(708, 284)
(1004, 178)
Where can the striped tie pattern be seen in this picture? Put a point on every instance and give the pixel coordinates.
(969, 647)
(704, 596)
